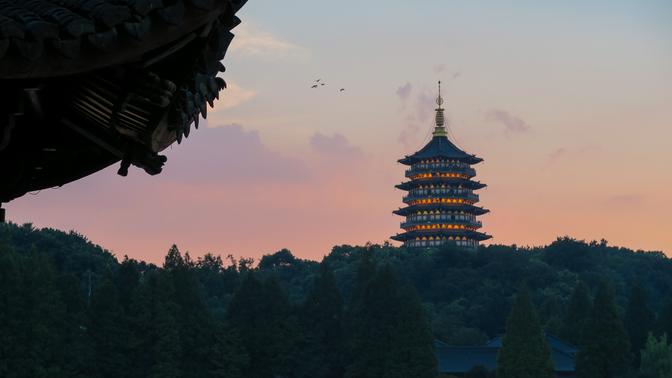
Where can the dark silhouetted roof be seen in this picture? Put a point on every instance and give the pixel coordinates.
(408, 185)
(461, 359)
(409, 235)
(440, 147)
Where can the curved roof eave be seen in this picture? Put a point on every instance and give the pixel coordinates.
(440, 146)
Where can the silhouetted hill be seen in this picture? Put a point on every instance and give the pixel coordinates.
(466, 294)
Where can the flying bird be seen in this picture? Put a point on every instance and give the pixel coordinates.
(342, 90)
(318, 80)
(314, 86)
(322, 84)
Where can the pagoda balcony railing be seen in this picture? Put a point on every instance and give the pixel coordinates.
(467, 196)
(465, 170)
(466, 222)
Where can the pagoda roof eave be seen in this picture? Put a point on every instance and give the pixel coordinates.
(440, 147)
(406, 185)
(411, 159)
(471, 234)
(435, 206)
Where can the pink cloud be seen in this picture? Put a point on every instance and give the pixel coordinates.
(424, 106)
(512, 123)
(231, 154)
(335, 147)
(421, 113)
(226, 191)
(624, 202)
(563, 153)
(556, 155)
(409, 135)
(404, 92)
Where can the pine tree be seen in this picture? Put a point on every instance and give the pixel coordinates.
(194, 320)
(227, 358)
(638, 321)
(321, 317)
(664, 321)
(75, 346)
(283, 330)
(43, 316)
(140, 324)
(127, 279)
(173, 258)
(391, 335)
(656, 358)
(11, 313)
(261, 315)
(166, 346)
(108, 332)
(168, 355)
(577, 314)
(605, 348)
(524, 352)
(366, 269)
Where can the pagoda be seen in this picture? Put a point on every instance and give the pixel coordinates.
(441, 203)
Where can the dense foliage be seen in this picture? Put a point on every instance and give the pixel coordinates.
(656, 358)
(524, 352)
(71, 308)
(605, 349)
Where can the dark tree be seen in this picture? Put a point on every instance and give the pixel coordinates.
(127, 280)
(392, 337)
(171, 321)
(321, 316)
(570, 254)
(279, 259)
(206, 348)
(75, 345)
(261, 315)
(656, 358)
(167, 345)
(604, 352)
(366, 270)
(108, 332)
(10, 313)
(577, 314)
(638, 321)
(524, 352)
(478, 372)
(227, 358)
(664, 321)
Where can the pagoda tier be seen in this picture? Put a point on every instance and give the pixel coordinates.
(439, 234)
(439, 182)
(465, 208)
(441, 200)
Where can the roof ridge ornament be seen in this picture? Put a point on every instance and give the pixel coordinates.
(440, 119)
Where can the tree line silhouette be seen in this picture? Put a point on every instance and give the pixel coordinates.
(69, 308)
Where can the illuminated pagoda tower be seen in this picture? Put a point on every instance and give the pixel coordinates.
(441, 201)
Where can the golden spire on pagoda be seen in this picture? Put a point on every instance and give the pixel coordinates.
(439, 130)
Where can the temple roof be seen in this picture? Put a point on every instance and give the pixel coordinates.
(440, 147)
(461, 359)
(471, 234)
(407, 185)
(441, 206)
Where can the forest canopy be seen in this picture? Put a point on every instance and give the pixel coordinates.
(189, 315)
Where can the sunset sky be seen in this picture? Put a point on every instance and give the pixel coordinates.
(569, 103)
